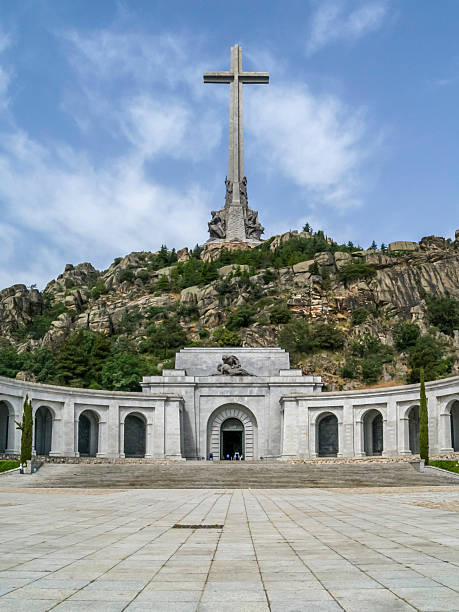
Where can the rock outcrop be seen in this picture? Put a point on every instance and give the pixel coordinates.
(125, 299)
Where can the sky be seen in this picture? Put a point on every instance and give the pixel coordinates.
(110, 142)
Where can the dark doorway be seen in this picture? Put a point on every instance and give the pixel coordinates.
(373, 433)
(4, 426)
(88, 434)
(232, 439)
(413, 425)
(328, 436)
(43, 430)
(455, 426)
(135, 436)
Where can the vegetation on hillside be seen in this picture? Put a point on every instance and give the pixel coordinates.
(364, 344)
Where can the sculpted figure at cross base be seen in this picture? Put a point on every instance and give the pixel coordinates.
(253, 227)
(231, 366)
(217, 225)
(228, 192)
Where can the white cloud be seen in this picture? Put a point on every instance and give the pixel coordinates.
(5, 77)
(331, 22)
(91, 210)
(316, 142)
(74, 204)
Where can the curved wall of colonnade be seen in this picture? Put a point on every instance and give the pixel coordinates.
(71, 422)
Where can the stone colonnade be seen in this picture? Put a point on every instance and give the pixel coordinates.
(72, 422)
(370, 422)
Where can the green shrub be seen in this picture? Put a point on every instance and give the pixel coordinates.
(124, 372)
(423, 420)
(98, 289)
(406, 335)
(428, 353)
(187, 311)
(126, 275)
(269, 276)
(366, 345)
(314, 269)
(163, 339)
(143, 275)
(243, 316)
(359, 315)
(80, 359)
(351, 368)
(443, 313)
(117, 260)
(279, 314)
(224, 287)
(326, 336)
(8, 464)
(371, 369)
(163, 283)
(296, 337)
(225, 337)
(26, 427)
(451, 466)
(154, 312)
(10, 361)
(40, 324)
(355, 271)
(130, 321)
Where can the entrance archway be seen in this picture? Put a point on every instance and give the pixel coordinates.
(373, 433)
(227, 425)
(327, 435)
(43, 430)
(413, 427)
(231, 439)
(88, 434)
(135, 435)
(6, 427)
(455, 426)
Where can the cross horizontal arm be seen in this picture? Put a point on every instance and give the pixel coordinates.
(254, 77)
(218, 77)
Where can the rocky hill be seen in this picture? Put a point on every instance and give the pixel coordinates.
(357, 317)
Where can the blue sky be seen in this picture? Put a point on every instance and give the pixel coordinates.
(110, 142)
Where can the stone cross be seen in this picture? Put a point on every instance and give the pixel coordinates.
(236, 199)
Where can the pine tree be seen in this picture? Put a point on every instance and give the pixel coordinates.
(26, 429)
(373, 246)
(383, 248)
(423, 421)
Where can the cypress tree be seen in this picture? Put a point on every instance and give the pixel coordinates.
(423, 421)
(26, 429)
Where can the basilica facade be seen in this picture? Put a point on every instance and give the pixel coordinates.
(227, 402)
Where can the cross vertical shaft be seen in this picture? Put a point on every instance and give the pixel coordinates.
(236, 215)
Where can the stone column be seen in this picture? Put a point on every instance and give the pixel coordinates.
(172, 427)
(346, 448)
(57, 442)
(113, 422)
(121, 439)
(103, 442)
(404, 435)
(289, 428)
(149, 449)
(70, 429)
(358, 438)
(340, 452)
(445, 443)
(390, 428)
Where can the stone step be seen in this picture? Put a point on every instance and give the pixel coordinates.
(220, 475)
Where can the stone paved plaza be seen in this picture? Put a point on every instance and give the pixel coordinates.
(281, 550)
